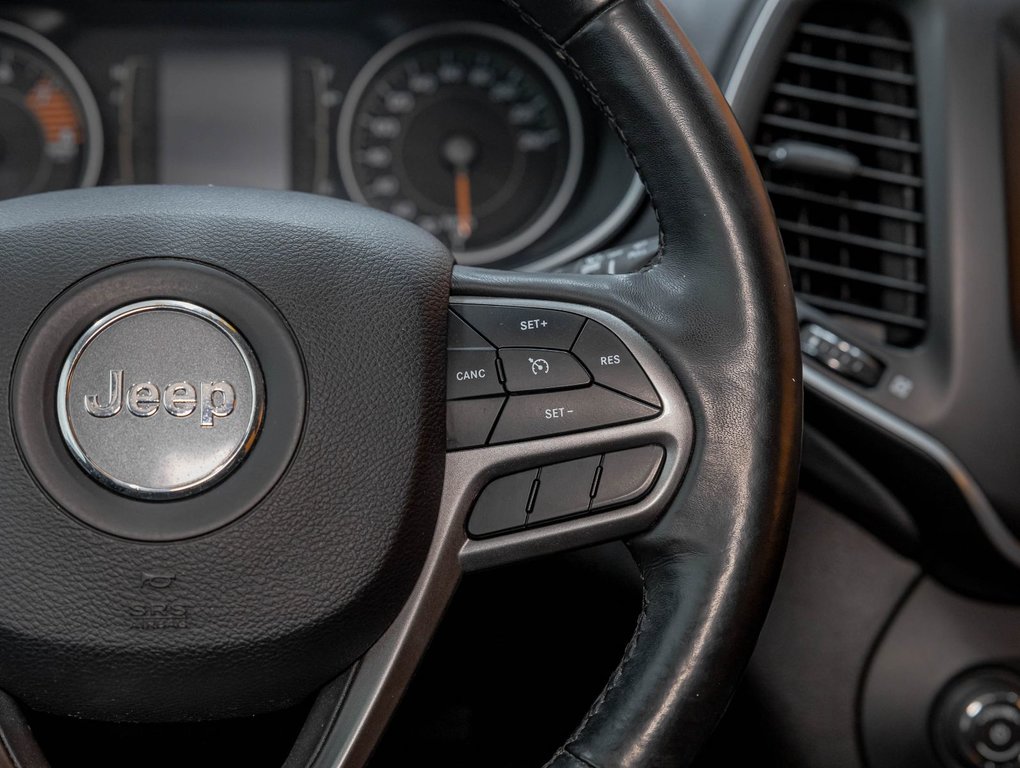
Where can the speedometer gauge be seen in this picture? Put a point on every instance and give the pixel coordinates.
(467, 130)
(50, 135)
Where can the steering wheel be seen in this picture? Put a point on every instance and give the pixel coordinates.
(227, 483)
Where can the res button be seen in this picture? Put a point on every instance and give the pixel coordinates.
(522, 326)
(612, 364)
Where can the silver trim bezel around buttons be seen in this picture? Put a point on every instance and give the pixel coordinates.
(469, 470)
(385, 670)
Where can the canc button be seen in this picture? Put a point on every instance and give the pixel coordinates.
(471, 373)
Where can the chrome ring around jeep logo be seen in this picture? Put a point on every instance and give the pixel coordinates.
(160, 399)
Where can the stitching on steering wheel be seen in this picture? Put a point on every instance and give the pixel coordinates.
(628, 655)
(589, 86)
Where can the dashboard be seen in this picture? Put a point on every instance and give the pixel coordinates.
(454, 118)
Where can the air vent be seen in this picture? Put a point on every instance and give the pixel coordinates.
(840, 151)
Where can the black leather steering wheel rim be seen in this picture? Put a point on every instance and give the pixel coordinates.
(716, 305)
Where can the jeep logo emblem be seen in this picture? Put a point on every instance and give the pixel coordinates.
(213, 400)
(160, 399)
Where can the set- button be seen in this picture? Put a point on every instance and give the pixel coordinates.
(554, 413)
(519, 373)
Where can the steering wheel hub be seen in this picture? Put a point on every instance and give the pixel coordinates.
(253, 384)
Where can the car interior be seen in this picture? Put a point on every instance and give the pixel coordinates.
(579, 383)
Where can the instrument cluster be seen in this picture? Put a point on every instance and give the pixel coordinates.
(463, 124)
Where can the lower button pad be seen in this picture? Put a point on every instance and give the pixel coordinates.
(565, 490)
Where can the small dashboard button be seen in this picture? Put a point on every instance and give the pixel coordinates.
(468, 422)
(627, 475)
(503, 505)
(522, 326)
(612, 364)
(529, 370)
(554, 413)
(839, 355)
(471, 373)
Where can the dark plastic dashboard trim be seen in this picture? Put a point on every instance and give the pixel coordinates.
(773, 17)
(989, 520)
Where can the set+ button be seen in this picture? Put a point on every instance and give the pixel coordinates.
(522, 326)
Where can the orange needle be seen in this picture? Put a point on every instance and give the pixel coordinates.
(462, 193)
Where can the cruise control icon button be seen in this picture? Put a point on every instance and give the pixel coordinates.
(554, 413)
(529, 370)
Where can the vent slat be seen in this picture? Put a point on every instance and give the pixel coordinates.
(856, 310)
(841, 134)
(841, 100)
(854, 235)
(886, 211)
(846, 238)
(855, 70)
(859, 38)
(890, 177)
(858, 275)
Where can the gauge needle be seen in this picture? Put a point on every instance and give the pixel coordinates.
(460, 151)
(462, 195)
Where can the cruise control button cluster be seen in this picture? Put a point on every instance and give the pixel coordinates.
(565, 490)
(537, 372)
